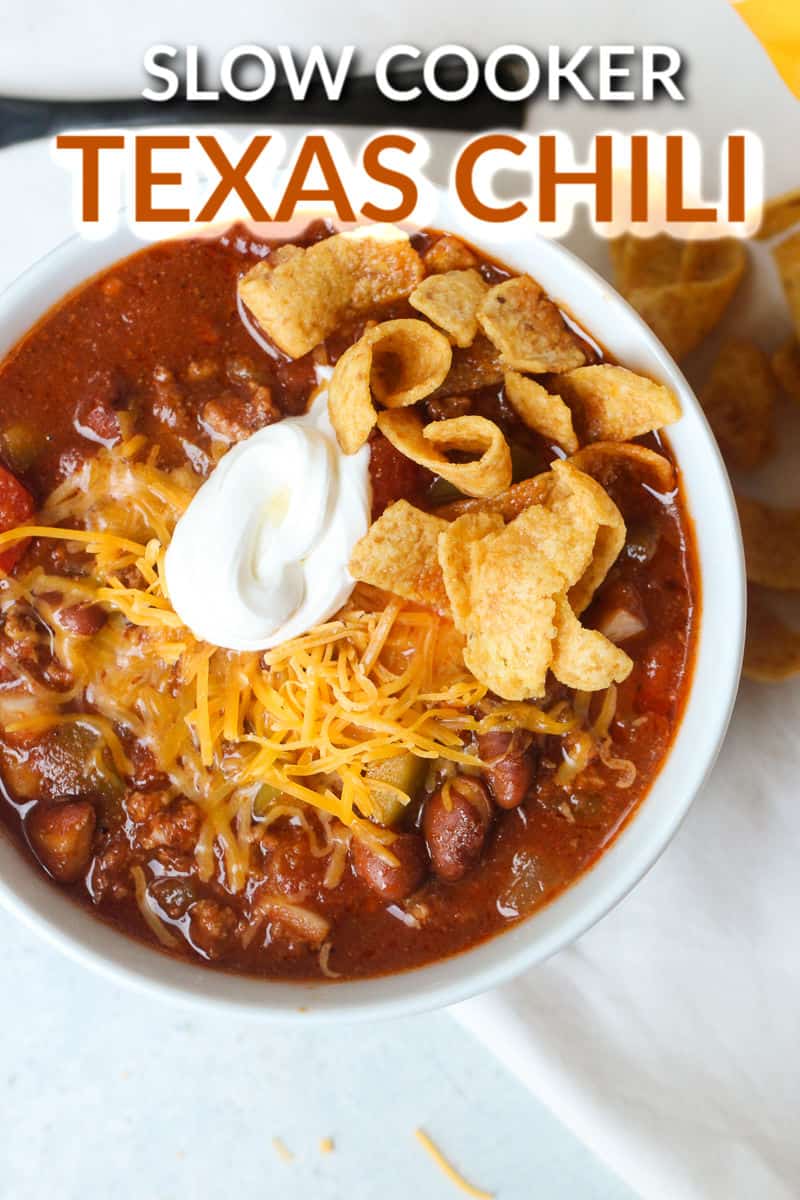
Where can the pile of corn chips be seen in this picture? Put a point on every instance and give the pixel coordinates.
(682, 290)
(512, 566)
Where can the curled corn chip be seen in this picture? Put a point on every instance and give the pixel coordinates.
(449, 254)
(771, 543)
(454, 552)
(787, 257)
(585, 658)
(613, 404)
(410, 360)
(350, 406)
(772, 648)
(506, 585)
(739, 401)
(426, 445)
(400, 362)
(579, 503)
(399, 553)
(451, 300)
(473, 367)
(681, 289)
(527, 328)
(780, 213)
(503, 589)
(540, 410)
(575, 498)
(605, 461)
(503, 583)
(298, 299)
(786, 367)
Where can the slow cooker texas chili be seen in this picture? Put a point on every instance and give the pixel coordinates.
(150, 368)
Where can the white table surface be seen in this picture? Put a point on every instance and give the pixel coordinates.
(106, 1093)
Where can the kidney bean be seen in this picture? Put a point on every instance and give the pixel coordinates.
(61, 835)
(97, 418)
(510, 765)
(392, 883)
(82, 619)
(455, 822)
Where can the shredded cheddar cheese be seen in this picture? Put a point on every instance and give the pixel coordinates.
(240, 733)
(248, 736)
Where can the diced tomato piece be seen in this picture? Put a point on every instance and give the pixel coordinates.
(16, 508)
(393, 476)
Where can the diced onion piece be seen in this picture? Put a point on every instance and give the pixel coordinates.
(620, 624)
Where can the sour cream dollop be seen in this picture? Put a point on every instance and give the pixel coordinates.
(261, 553)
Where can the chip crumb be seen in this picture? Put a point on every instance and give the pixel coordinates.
(448, 1169)
(282, 1150)
(327, 1145)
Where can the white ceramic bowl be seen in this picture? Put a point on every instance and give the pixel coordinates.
(607, 317)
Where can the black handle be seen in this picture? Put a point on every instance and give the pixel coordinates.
(361, 103)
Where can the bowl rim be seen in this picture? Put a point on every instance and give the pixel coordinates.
(634, 849)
